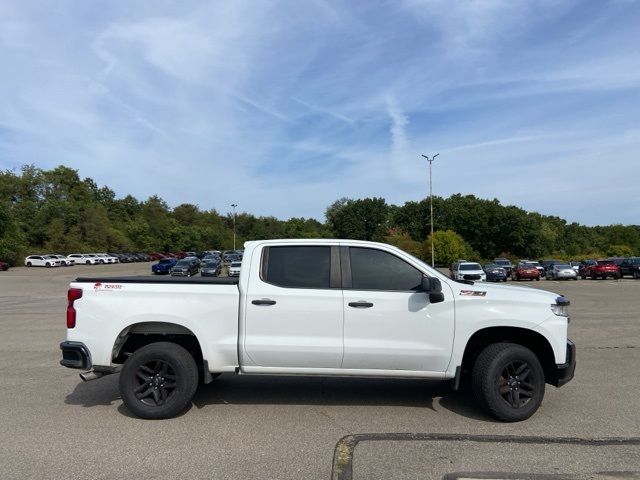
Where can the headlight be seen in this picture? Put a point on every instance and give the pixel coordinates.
(560, 310)
(561, 307)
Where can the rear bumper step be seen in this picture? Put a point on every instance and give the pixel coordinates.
(75, 355)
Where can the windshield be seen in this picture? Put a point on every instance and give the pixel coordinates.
(211, 265)
(183, 263)
(164, 262)
(470, 266)
(236, 264)
(503, 262)
(562, 265)
(605, 262)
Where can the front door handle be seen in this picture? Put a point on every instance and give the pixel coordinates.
(361, 304)
(264, 301)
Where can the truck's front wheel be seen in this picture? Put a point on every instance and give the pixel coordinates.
(158, 380)
(509, 381)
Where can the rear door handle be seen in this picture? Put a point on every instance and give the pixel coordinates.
(361, 304)
(264, 301)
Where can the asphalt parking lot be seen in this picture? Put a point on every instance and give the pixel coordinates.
(54, 426)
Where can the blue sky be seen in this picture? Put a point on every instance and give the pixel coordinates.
(285, 106)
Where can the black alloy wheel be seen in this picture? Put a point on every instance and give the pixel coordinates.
(158, 380)
(514, 388)
(509, 381)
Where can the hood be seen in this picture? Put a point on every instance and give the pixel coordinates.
(504, 292)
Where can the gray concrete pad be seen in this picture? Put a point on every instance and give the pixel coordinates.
(54, 426)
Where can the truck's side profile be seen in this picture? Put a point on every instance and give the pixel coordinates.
(319, 307)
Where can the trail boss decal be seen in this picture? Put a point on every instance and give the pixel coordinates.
(101, 287)
(472, 293)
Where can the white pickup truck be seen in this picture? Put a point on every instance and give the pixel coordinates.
(319, 307)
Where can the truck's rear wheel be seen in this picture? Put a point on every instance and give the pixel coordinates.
(158, 380)
(509, 381)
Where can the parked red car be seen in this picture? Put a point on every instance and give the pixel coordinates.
(4, 266)
(156, 256)
(524, 271)
(601, 269)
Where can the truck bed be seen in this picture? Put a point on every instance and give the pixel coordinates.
(161, 280)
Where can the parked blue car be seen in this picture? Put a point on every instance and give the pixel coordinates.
(163, 266)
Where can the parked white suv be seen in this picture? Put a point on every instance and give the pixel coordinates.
(65, 261)
(468, 271)
(82, 259)
(234, 269)
(106, 258)
(41, 261)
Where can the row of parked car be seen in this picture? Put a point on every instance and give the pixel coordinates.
(502, 269)
(59, 260)
(210, 265)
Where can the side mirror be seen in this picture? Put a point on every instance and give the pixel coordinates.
(433, 287)
(430, 285)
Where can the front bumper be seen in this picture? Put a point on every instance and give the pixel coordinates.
(563, 373)
(75, 355)
(560, 275)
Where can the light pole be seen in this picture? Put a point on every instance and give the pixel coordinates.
(430, 160)
(234, 205)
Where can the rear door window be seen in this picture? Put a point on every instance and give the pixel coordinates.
(297, 266)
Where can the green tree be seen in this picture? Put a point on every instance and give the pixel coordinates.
(449, 247)
(365, 219)
(401, 239)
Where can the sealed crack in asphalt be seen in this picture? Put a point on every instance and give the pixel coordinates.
(610, 348)
(342, 468)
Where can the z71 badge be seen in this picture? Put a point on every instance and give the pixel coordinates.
(472, 293)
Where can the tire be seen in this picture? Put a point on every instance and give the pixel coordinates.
(47, 264)
(636, 274)
(537, 279)
(88, 262)
(141, 385)
(495, 369)
(29, 264)
(584, 277)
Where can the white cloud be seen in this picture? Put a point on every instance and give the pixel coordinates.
(291, 101)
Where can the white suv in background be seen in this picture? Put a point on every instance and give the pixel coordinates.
(64, 261)
(106, 258)
(468, 271)
(41, 261)
(82, 259)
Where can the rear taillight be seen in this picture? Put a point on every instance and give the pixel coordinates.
(72, 295)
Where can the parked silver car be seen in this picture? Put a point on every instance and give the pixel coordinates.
(561, 271)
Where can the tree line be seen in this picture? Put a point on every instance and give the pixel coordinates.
(57, 211)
